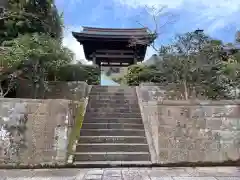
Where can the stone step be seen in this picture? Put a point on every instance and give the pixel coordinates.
(112, 132)
(113, 115)
(113, 120)
(111, 163)
(113, 110)
(107, 100)
(112, 139)
(111, 105)
(112, 101)
(112, 94)
(113, 89)
(112, 147)
(112, 126)
(115, 156)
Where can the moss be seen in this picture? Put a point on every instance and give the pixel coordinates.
(75, 132)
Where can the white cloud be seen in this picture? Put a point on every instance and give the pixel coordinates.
(136, 3)
(219, 13)
(70, 42)
(226, 4)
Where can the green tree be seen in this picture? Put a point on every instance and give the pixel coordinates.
(30, 16)
(41, 53)
(193, 64)
(137, 74)
(79, 72)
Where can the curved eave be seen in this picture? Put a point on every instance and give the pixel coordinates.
(81, 37)
(84, 37)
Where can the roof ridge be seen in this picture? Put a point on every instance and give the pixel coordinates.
(118, 29)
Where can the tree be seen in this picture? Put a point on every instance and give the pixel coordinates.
(30, 16)
(137, 74)
(42, 53)
(79, 72)
(153, 34)
(193, 64)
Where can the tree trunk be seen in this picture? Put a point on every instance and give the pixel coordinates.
(185, 90)
(236, 92)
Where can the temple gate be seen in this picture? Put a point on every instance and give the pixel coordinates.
(114, 47)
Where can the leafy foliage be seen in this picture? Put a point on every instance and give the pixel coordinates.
(31, 36)
(196, 64)
(79, 72)
(36, 48)
(137, 74)
(39, 54)
(30, 16)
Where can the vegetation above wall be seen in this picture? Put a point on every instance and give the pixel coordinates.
(196, 64)
(31, 47)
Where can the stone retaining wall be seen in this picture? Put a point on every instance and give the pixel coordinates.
(190, 131)
(74, 90)
(34, 131)
(37, 131)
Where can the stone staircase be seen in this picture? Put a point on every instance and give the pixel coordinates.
(112, 132)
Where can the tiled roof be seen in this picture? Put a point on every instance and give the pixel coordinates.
(115, 31)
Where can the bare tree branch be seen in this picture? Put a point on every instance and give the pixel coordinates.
(154, 34)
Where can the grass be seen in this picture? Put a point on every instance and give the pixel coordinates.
(75, 132)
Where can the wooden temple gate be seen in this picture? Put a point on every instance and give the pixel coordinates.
(114, 47)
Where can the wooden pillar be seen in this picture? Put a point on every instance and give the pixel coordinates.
(135, 59)
(94, 58)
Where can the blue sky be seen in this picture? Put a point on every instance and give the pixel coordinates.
(219, 18)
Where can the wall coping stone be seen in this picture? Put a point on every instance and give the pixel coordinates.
(191, 103)
(198, 102)
(32, 100)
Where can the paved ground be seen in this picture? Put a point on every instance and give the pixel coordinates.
(217, 173)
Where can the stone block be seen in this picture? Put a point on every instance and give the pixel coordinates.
(196, 156)
(113, 173)
(178, 155)
(179, 132)
(164, 142)
(232, 153)
(165, 131)
(193, 133)
(229, 123)
(178, 143)
(214, 123)
(215, 146)
(37, 108)
(227, 135)
(214, 156)
(164, 155)
(200, 123)
(171, 121)
(226, 110)
(196, 112)
(190, 145)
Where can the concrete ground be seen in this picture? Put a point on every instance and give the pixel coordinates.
(207, 173)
